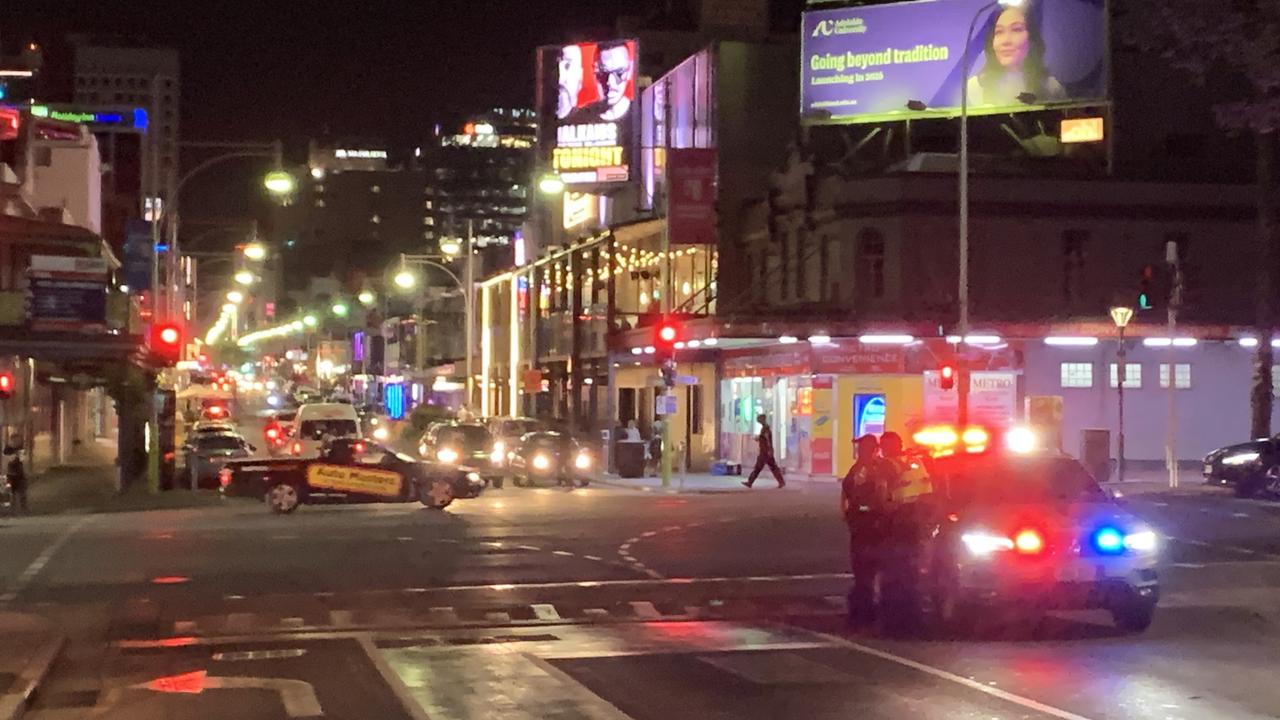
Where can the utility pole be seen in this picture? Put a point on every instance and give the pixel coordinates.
(1175, 303)
(665, 462)
(469, 312)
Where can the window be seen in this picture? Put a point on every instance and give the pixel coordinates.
(428, 205)
(1181, 375)
(429, 221)
(1073, 243)
(319, 202)
(1132, 375)
(1077, 375)
(871, 260)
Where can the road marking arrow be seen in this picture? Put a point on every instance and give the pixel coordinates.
(298, 696)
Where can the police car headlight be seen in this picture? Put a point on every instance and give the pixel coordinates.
(541, 462)
(1141, 541)
(447, 455)
(982, 543)
(381, 434)
(1241, 459)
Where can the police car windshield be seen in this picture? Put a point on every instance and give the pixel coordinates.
(1036, 480)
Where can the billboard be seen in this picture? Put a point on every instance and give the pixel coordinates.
(588, 99)
(691, 199)
(865, 64)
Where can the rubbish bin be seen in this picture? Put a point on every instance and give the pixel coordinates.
(630, 459)
(1095, 452)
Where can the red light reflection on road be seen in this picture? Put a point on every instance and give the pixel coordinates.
(191, 683)
(170, 580)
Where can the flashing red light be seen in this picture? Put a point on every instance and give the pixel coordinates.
(297, 448)
(6, 386)
(273, 433)
(947, 377)
(1028, 542)
(169, 335)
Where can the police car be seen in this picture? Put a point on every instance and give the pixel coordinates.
(1022, 530)
(348, 470)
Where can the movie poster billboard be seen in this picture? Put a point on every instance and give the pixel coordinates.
(588, 100)
(865, 64)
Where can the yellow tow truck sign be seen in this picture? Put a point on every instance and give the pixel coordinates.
(345, 478)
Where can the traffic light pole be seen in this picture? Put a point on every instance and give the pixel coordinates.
(1175, 302)
(667, 284)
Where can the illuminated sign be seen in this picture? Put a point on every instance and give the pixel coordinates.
(579, 209)
(866, 63)
(588, 94)
(98, 120)
(1083, 130)
(347, 154)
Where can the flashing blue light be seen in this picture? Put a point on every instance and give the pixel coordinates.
(1108, 541)
(140, 119)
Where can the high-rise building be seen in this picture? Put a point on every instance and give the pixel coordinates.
(114, 71)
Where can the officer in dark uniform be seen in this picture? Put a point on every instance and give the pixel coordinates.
(864, 500)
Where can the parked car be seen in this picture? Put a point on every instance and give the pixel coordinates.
(507, 431)
(348, 470)
(206, 453)
(1249, 469)
(546, 457)
(466, 445)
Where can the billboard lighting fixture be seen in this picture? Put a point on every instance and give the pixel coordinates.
(886, 339)
(1071, 341)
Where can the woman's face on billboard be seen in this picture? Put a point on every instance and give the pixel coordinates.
(1012, 40)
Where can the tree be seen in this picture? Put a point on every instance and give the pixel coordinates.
(1236, 43)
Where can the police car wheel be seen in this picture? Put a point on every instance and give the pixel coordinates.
(283, 498)
(1134, 616)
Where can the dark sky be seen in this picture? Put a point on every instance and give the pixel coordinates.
(291, 69)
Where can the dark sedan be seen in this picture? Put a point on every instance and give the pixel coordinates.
(1250, 468)
(466, 445)
(550, 457)
(206, 453)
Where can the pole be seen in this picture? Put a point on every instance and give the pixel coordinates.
(665, 462)
(469, 309)
(1175, 302)
(963, 290)
(1120, 377)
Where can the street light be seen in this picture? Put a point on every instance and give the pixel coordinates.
(963, 395)
(279, 182)
(255, 251)
(450, 246)
(405, 280)
(235, 296)
(340, 309)
(366, 298)
(310, 321)
(244, 277)
(551, 185)
(1120, 315)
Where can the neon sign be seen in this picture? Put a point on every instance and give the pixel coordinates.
(132, 118)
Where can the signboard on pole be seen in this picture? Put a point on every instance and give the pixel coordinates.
(993, 399)
(67, 293)
(866, 63)
(139, 253)
(691, 196)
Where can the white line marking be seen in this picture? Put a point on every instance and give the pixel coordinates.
(232, 597)
(404, 538)
(562, 553)
(415, 590)
(530, 548)
(411, 706)
(1024, 702)
(597, 558)
(649, 534)
(545, 611)
(23, 580)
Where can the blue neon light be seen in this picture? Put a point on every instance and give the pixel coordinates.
(393, 396)
(1108, 541)
(140, 119)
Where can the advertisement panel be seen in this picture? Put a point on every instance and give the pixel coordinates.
(993, 399)
(588, 96)
(342, 478)
(67, 293)
(691, 205)
(865, 64)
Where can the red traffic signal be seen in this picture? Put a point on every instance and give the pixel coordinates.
(166, 342)
(667, 334)
(6, 385)
(947, 376)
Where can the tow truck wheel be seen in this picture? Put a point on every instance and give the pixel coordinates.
(437, 495)
(283, 498)
(583, 482)
(1134, 616)
(497, 482)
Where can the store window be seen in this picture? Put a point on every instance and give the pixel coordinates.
(1132, 376)
(1181, 376)
(1076, 375)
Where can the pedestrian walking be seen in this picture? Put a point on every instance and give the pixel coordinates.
(865, 505)
(16, 476)
(765, 455)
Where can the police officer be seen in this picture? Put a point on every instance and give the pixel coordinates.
(910, 490)
(865, 503)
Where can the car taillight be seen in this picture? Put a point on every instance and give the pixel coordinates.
(297, 448)
(1028, 542)
(358, 447)
(224, 477)
(272, 433)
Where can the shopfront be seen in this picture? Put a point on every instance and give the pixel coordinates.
(818, 398)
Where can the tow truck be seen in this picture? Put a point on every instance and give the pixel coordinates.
(348, 470)
(1014, 530)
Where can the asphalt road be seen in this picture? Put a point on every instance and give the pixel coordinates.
(601, 603)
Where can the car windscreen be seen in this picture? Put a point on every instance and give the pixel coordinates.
(335, 428)
(220, 442)
(553, 443)
(1053, 480)
(469, 437)
(516, 428)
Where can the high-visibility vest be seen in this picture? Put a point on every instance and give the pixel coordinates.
(913, 481)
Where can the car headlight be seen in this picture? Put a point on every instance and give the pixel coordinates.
(541, 462)
(474, 477)
(380, 433)
(1241, 458)
(1141, 541)
(983, 543)
(582, 461)
(447, 455)
(499, 453)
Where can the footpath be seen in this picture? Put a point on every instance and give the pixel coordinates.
(705, 483)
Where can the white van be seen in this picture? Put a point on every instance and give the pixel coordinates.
(316, 421)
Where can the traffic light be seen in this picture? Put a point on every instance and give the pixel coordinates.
(1146, 293)
(665, 336)
(6, 385)
(166, 342)
(947, 376)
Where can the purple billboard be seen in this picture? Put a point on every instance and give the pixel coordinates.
(865, 64)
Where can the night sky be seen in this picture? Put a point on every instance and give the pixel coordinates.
(381, 68)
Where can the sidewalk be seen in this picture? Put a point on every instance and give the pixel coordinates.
(1147, 482)
(705, 483)
(28, 648)
(87, 483)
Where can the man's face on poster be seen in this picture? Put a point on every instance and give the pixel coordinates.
(613, 70)
(570, 80)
